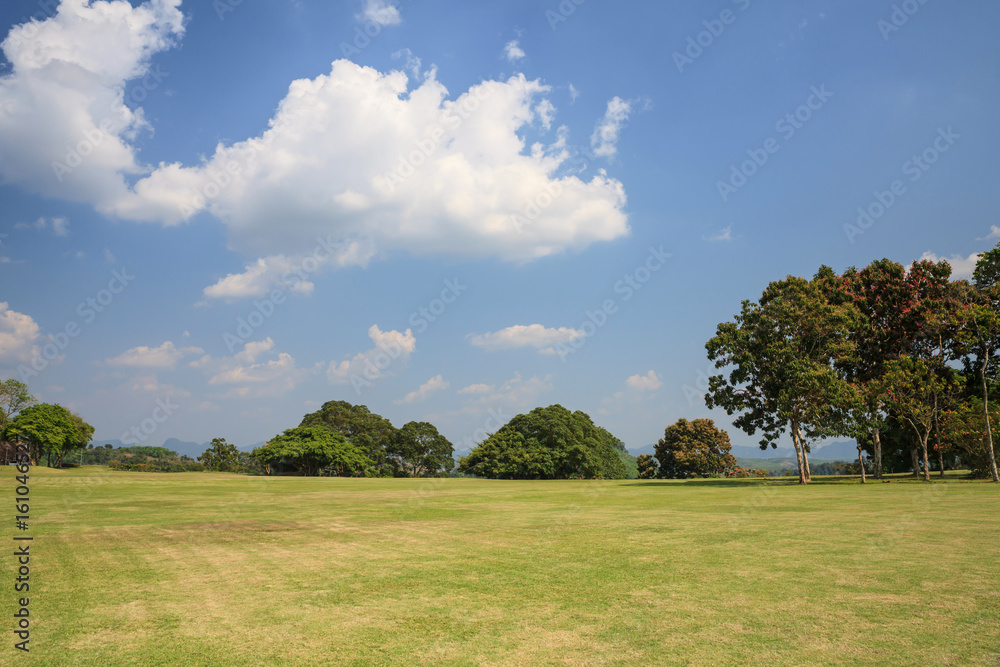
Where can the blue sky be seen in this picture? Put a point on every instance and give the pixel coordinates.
(456, 212)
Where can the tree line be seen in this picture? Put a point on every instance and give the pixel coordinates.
(903, 360)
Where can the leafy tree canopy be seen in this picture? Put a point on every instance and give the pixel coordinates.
(372, 433)
(694, 448)
(421, 450)
(310, 450)
(547, 443)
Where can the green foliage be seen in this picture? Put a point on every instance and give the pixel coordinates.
(647, 466)
(49, 430)
(547, 443)
(372, 433)
(313, 450)
(222, 456)
(422, 451)
(788, 354)
(964, 433)
(14, 397)
(694, 448)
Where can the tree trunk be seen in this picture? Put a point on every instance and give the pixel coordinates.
(877, 463)
(989, 429)
(940, 460)
(916, 462)
(798, 453)
(861, 461)
(805, 462)
(927, 462)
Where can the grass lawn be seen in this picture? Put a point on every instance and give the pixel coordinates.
(215, 569)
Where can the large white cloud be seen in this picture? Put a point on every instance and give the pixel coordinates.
(358, 154)
(366, 157)
(65, 129)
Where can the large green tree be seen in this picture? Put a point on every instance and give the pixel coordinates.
(787, 354)
(372, 433)
(694, 448)
(547, 443)
(49, 430)
(311, 450)
(221, 456)
(421, 450)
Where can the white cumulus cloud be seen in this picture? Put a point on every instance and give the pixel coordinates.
(532, 335)
(648, 382)
(513, 51)
(166, 356)
(381, 12)
(18, 335)
(65, 129)
(392, 352)
(248, 374)
(436, 383)
(961, 267)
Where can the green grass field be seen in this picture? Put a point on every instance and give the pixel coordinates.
(215, 569)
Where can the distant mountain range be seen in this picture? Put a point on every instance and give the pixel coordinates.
(846, 450)
(192, 449)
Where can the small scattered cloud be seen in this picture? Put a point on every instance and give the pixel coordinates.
(648, 382)
(723, 235)
(58, 226)
(477, 389)
(165, 356)
(380, 12)
(542, 338)
(961, 268)
(513, 51)
(604, 141)
(151, 385)
(249, 375)
(436, 383)
(109, 257)
(574, 93)
(994, 234)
